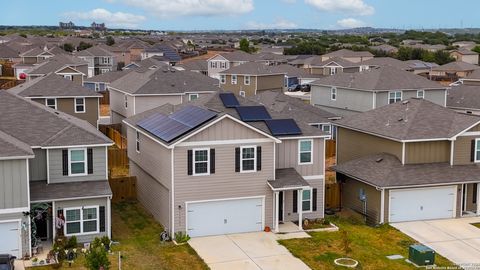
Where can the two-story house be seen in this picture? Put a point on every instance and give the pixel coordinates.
(33, 57)
(332, 66)
(67, 66)
(465, 55)
(51, 165)
(249, 78)
(351, 93)
(224, 61)
(452, 71)
(349, 55)
(411, 160)
(62, 94)
(99, 60)
(223, 164)
(144, 89)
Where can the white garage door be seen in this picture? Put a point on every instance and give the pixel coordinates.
(10, 240)
(225, 216)
(422, 203)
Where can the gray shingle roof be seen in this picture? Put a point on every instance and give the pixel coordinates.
(253, 68)
(385, 170)
(55, 63)
(464, 96)
(475, 75)
(95, 51)
(6, 52)
(288, 178)
(317, 62)
(239, 56)
(382, 78)
(348, 53)
(52, 85)
(41, 191)
(37, 125)
(456, 66)
(413, 119)
(11, 147)
(108, 77)
(195, 65)
(387, 61)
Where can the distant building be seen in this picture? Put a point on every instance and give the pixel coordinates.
(98, 26)
(68, 25)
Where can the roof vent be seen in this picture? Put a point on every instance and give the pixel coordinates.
(405, 102)
(173, 85)
(378, 160)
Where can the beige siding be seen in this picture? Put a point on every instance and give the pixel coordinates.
(288, 206)
(350, 198)
(271, 82)
(240, 86)
(287, 157)
(226, 129)
(427, 152)
(67, 105)
(225, 183)
(352, 144)
(463, 150)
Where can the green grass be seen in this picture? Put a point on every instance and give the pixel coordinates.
(476, 225)
(368, 245)
(139, 237)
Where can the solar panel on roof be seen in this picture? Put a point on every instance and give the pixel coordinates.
(229, 100)
(280, 127)
(192, 116)
(253, 113)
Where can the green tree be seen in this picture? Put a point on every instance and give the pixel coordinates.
(245, 45)
(476, 49)
(110, 41)
(97, 256)
(68, 47)
(83, 46)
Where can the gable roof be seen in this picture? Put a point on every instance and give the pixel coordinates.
(387, 61)
(108, 77)
(253, 68)
(464, 51)
(95, 51)
(6, 52)
(11, 147)
(238, 56)
(316, 61)
(381, 78)
(348, 53)
(456, 66)
(52, 85)
(410, 120)
(475, 75)
(39, 126)
(464, 96)
(55, 63)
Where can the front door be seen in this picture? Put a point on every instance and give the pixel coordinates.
(280, 206)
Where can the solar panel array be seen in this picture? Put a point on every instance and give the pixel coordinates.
(279, 127)
(253, 113)
(229, 100)
(178, 123)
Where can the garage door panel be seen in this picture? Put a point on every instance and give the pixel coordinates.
(224, 217)
(422, 203)
(9, 234)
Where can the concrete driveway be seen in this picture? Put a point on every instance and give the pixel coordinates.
(246, 251)
(454, 239)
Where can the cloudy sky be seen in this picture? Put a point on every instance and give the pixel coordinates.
(244, 14)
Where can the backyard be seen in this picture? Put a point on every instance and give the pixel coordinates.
(138, 235)
(368, 245)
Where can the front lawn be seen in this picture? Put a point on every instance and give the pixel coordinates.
(368, 245)
(139, 237)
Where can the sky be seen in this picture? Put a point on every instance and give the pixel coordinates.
(191, 15)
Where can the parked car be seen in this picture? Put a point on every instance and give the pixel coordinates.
(294, 88)
(305, 88)
(7, 262)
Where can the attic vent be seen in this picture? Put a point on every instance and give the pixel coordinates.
(379, 160)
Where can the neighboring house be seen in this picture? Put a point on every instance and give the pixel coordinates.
(385, 61)
(452, 71)
(350, 93)
(67, 66)
(252, 77)
(33, 57)
(50, 164)
(224, 61)
(99, 60)
(7, 53)
(465, 55)
(332, 66)
(148, 63)
(166, 52)
(200, 66)
(271, 59)
(100, 82)
(63, 95)
(349, 55)
(472, 79)
(464, 98)
(385, 48)
(143, 89)
(411, 160)
(294, 75)
(468, 45)
(226, 170)
(420, 67)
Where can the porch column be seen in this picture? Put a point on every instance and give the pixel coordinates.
(276, 211)
(300, 208)
(478, 199)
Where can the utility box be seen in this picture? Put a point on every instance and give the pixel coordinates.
(421, 255)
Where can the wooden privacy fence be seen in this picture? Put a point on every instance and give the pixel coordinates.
(330, 148)
(123, 188)
(332, 195)
(117, 158)
(113, 132)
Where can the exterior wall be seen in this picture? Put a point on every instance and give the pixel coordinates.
(347, 99)
(470, 206)
(271, 82)
(154, 196)
(25, 235)
(30, 60)
(67, 105)
(59, 205)
(352, 144)
(213, 72)
(462, 150)
(226, 129)
(14, 184)
(350, 199)
(56, 168)
(287, 157)
(117, 103)
(288, 203)
(145, 103)
(240, 86)
(38, 165)
(427, 152)
(435, 96)
(116, 118)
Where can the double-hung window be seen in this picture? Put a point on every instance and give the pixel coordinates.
(192, 97)
(333, 93)
(68, 77)
(394, 96)
(137, 142)
(223, 80)
(234, 79)
(223, 65)
(246, 80)
(51, 102)
(305, 149)
(105, 60)
(248, 159)
(307, 200)
(81, 220)
(333, 71)
(326, 128)
(97, 87)
(201, 161)
(77, 162)
(477, 150)
(79, 105)
(420, 93)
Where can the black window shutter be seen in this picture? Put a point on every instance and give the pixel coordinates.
(65, 162)
(295, 201)
(189, 162)
(314, 201)
(212, 160)
(90, 160)
(472, 156)
(102, 218)
(237, 159)
(259, 158)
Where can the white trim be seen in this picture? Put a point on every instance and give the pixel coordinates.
(62, 97)
(48, 165)
(85, 161)
(274, 160)
(307, 137)
(54, 215)
(478, 199)
(232, 81)
(300, 208)
(276, 216)
(223, 142)
(191, 95)
(135, 105)
(76, 146)
(172, 208)
(194, 173)
(20, 246)
(311, 200)
(254, 158)
(333, 92)
(423, 93)
(81, 221)
(323, 179)
(14, 210)
(137, 141)
(403, 153)
(464, 198)
(314, 177)
(452, 150)
(382, 206)
(475, 160)
(17, 157)
(465, 130)
(300, 152)
(374, 105)
(470, 133)
(245, 79)
(109, 219)
(75, 104)
(28, 203)
(106, 162)
(395, 96)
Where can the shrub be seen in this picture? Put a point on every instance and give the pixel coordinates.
(97, 256)
(181, 237)
(71, 243)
